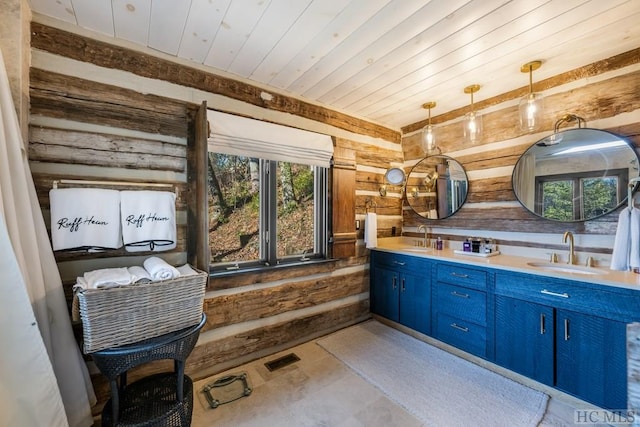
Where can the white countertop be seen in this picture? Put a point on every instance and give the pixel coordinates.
(603, 276)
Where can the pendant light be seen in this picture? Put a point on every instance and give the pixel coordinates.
(472, 120)
(531, 105)
(428, 132)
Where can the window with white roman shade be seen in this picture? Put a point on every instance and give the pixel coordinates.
(242, 136)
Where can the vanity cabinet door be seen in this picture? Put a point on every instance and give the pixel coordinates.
(415, 302)
(525, 337)
(400, 289)
(384, 294)
(591, 358)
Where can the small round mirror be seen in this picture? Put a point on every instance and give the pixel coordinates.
(394, 176)
(436, 187)
(575, 175)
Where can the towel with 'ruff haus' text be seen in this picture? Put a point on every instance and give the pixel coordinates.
(148, 220)
(85, 219)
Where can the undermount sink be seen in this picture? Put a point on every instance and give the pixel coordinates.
(418, 249)
(566, 268)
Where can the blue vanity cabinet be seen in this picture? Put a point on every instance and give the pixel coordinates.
(591, 358)
(525, 338)
(460, 307)
(400, 289)
(566, 334)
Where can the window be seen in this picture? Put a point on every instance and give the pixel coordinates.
(572, 197)
(267, 193)
(265, 212)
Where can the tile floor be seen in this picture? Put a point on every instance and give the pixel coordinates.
(319, 390)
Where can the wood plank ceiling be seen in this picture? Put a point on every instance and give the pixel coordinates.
(379, 60)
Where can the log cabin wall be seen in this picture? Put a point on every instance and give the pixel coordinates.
(604, 93)
(107, 112)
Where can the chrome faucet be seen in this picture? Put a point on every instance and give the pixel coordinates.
(426, 242)
(572, 256)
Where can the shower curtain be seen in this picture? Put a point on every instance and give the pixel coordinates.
(43, 378)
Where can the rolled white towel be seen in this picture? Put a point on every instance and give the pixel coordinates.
(159, 269)
(139, 274)
(186, 270)
(107, 278)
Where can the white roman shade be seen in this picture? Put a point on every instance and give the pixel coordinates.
(241, 136)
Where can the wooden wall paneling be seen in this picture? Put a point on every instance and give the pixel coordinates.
(84, 148)
(241, 307)
(343, 189)
(284, 272)
(65, 97)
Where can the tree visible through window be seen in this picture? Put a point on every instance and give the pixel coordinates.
(264, 212)
(573, 197)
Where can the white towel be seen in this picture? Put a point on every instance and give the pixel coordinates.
(159, 269)
(85, 218)
(139, 274)
(186, 270)
(371, 230)
(106, 278)
(622, 242)
(148, 220)
(634, 232)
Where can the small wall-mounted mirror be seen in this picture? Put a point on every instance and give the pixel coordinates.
(575, 175)
(393, 176)
(436, 187)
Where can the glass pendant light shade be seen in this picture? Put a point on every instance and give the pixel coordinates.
(428, 132)
(428, 139)
(472, 120)
(531, 105)
(472, 127)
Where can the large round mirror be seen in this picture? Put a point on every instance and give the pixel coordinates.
(575, 175)
(436, 187)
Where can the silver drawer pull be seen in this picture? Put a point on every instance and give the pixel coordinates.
(460, 328)
(458, 294)
(399, 263)
(464, 276)
(555, 294)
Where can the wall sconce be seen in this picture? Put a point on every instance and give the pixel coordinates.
(472, 120)
(556, 137)
(414, 192)
(393, 176)
(531, 105)
(428, 132)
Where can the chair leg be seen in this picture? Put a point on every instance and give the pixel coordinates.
(179, 368)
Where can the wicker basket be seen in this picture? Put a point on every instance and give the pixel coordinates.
(124, 315)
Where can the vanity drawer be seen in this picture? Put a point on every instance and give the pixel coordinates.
(600, 300)
(400, 261)
(464, 335)
(462, 303)
(458, 274)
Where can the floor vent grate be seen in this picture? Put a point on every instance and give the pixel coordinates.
(281, 362)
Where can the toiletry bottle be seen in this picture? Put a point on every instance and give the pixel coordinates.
(466, 245)
(439, 244)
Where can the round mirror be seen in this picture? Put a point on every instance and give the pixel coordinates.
(436, 187)
(575, 175)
